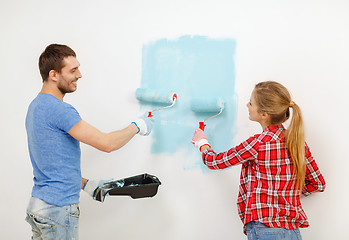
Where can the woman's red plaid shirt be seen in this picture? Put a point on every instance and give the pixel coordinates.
(267, 193)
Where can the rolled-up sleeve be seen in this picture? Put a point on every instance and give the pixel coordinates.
(314, 181)
(248, 150)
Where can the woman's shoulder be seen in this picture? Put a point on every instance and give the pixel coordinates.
(272, 133)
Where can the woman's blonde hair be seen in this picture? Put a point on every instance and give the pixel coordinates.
(275, 100)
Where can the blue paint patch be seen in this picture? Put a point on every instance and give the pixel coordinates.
(193, 67)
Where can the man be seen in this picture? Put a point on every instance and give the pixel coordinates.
(55, 130)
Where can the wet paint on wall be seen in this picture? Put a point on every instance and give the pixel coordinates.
(193, 67)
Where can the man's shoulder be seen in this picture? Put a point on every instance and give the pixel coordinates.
(51, 101)
(50, 107)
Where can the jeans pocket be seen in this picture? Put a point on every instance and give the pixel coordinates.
(46, 228)
(250, 235)
(75, 211)
(297, 234)
(270, 233)
(73, 226)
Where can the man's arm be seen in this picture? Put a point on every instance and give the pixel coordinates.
(106, 142)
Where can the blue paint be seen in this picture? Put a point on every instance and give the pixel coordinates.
(193, 67)
(154, 96)
(206, 104)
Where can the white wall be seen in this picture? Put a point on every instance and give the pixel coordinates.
(302, 44)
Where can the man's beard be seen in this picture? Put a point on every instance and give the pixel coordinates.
(64, 89)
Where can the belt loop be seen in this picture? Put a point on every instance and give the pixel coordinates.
(78, 210)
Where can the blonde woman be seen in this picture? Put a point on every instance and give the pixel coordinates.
(277, 166)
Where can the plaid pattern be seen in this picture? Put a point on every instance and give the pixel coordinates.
(266, 192)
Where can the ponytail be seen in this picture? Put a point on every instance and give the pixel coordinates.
(274, 99)
(296, 144)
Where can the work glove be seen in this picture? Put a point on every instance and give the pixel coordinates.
(199, 139)
(92, 185)
(144, 124)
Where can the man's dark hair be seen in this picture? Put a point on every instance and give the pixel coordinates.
(52, 59)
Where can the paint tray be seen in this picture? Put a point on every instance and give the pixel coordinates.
(140, 186)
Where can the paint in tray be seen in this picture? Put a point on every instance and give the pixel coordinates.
(140, 186)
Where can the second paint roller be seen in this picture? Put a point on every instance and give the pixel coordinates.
(207, 106)
(156, 96)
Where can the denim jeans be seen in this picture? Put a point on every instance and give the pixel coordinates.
(53, 222)
(260, 231)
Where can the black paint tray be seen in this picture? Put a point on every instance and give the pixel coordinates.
(140, 186)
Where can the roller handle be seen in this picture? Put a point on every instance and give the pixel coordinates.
(174, 98)
(202, 126)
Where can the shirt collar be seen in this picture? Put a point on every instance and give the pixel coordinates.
(272, 128)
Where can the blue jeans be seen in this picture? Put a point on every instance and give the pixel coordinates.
(260, 231)
(53, 222)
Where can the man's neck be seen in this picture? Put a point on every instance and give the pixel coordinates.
(53, 90)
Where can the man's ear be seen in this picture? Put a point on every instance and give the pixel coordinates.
(53, 75)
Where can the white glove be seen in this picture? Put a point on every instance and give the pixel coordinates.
(199, 139)
(92, 185)
(144, 124)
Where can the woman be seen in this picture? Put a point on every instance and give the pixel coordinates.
(277, 166)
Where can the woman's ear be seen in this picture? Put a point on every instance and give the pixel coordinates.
(265, 116)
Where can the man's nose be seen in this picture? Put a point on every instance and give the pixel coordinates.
(78, 74)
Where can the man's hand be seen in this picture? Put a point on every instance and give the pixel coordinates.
(91, 186)
(144, 124)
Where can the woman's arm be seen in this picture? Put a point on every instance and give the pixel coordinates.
(314, 181)
(248, 150)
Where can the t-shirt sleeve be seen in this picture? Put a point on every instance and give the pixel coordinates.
(67, 117)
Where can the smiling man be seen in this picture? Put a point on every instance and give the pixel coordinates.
(55, 130)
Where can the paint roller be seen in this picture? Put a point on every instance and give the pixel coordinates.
(156, 96)
(207, 106)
